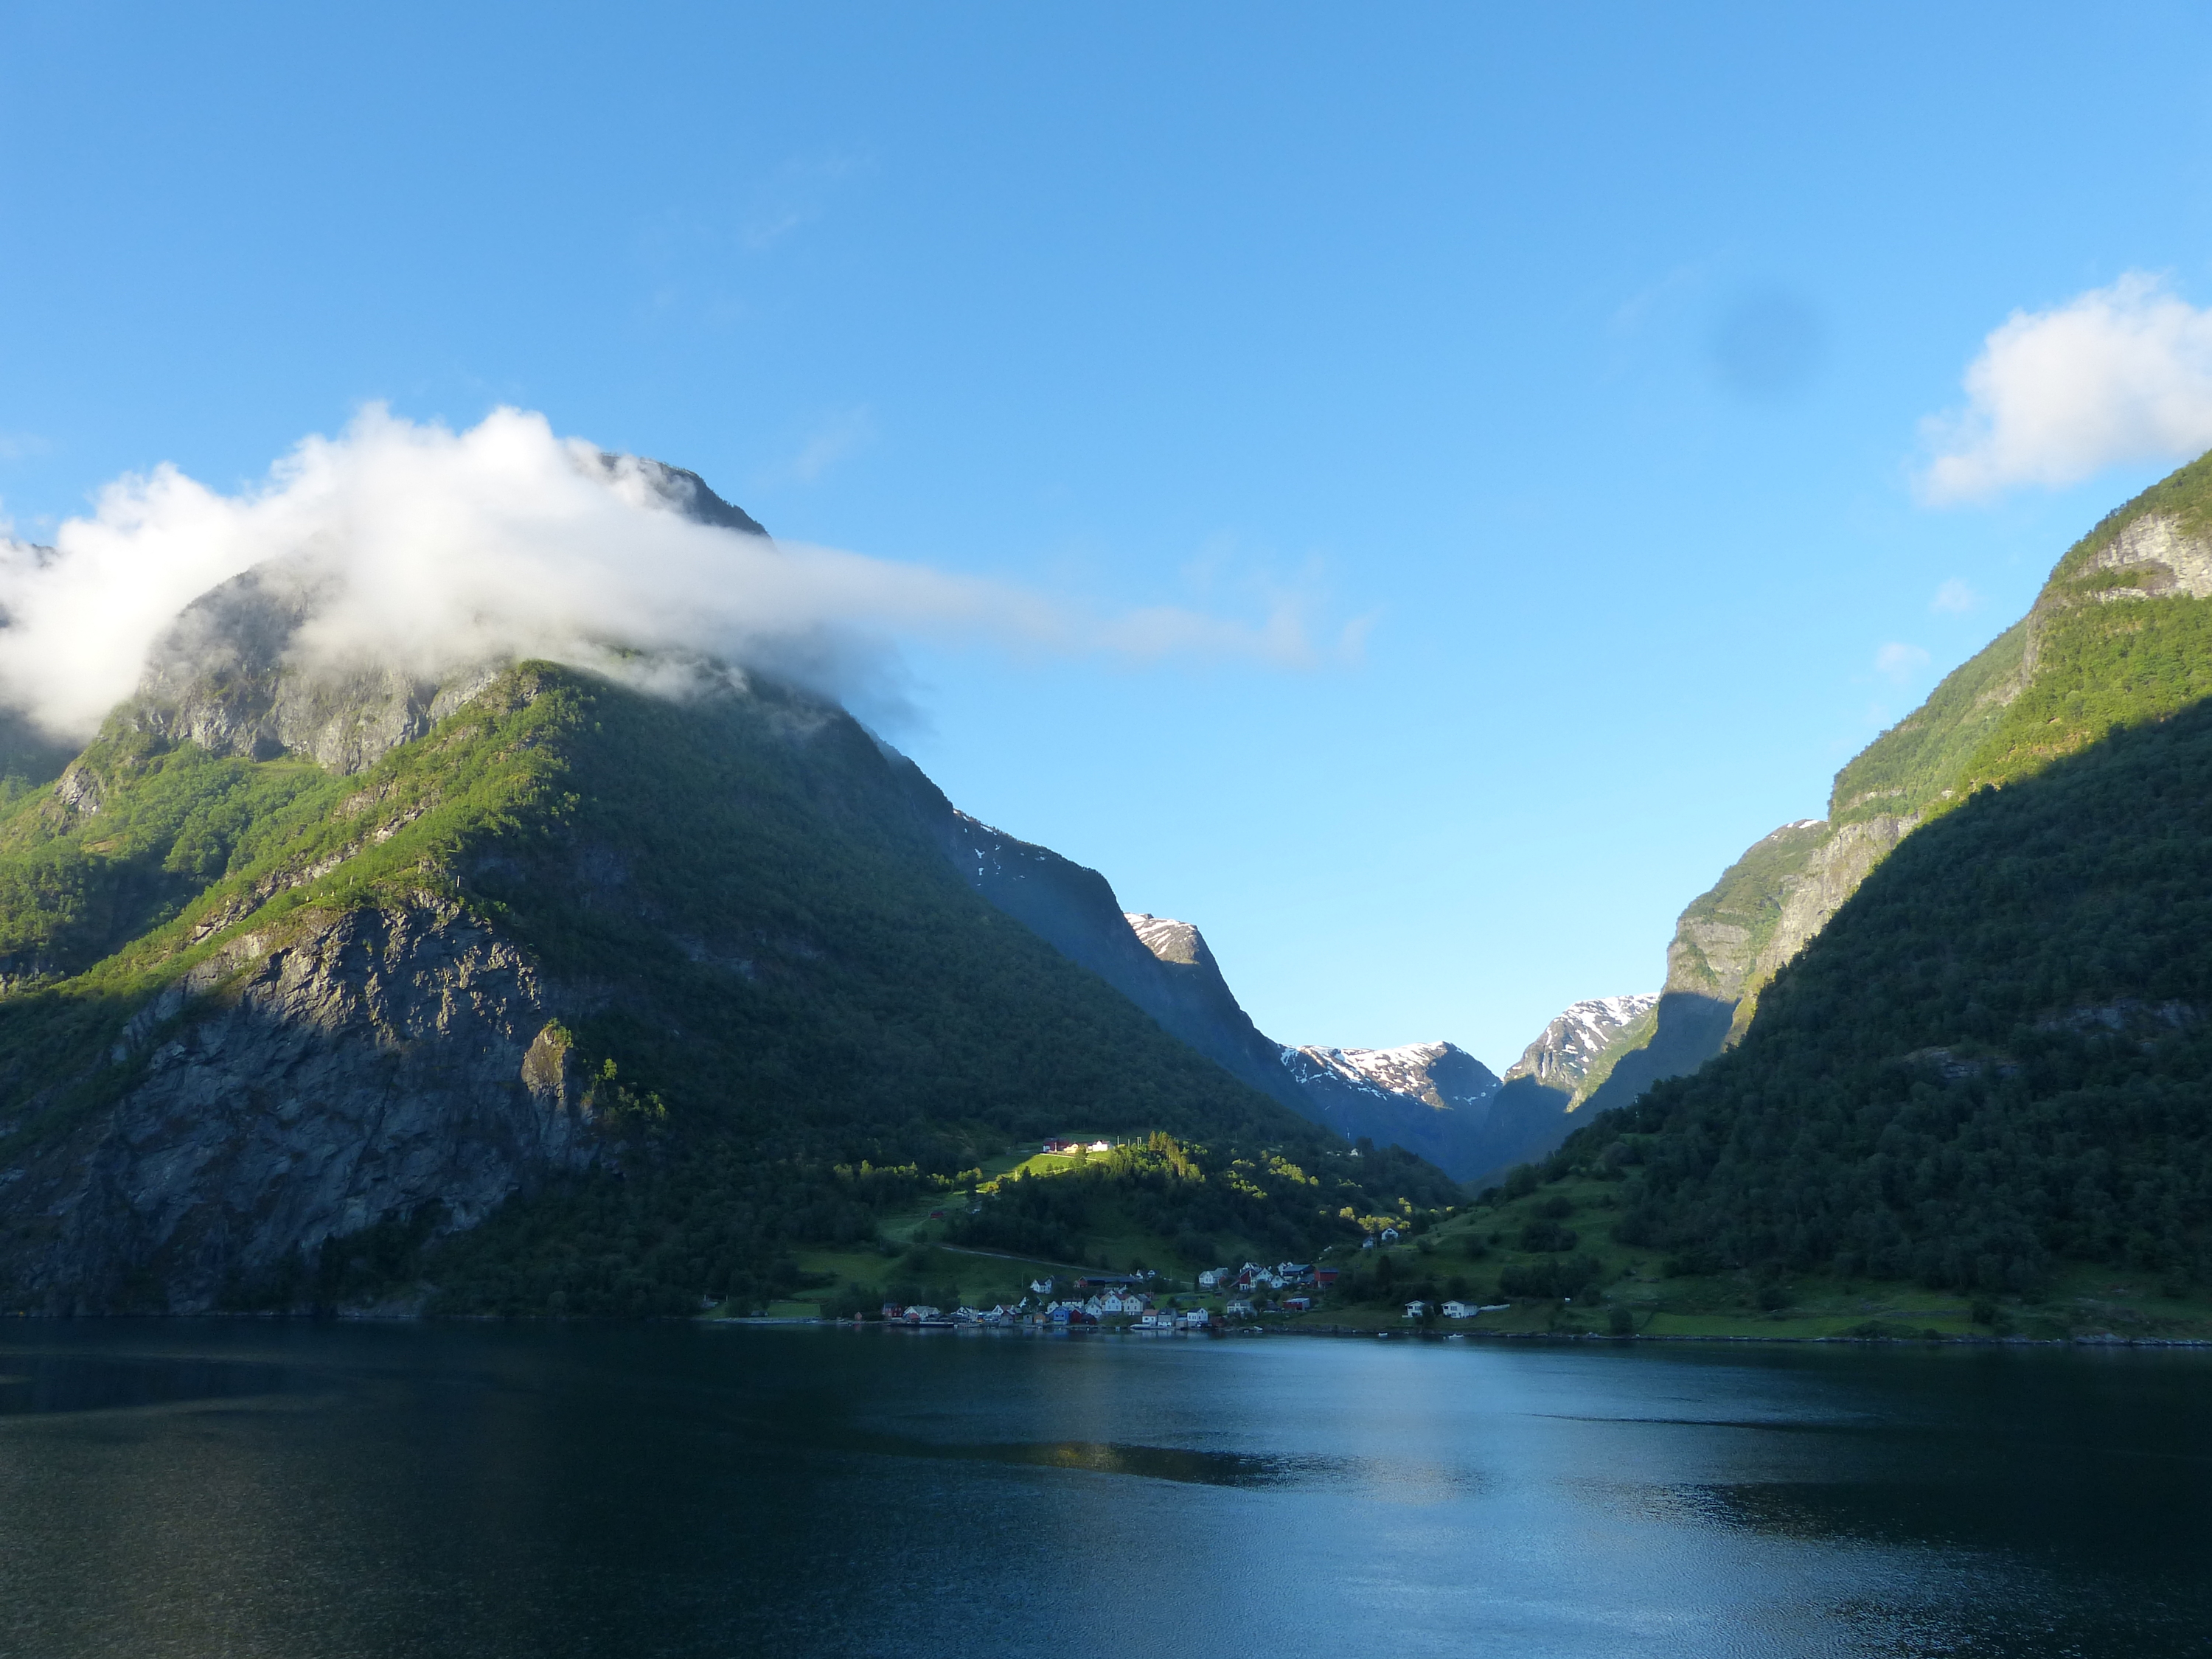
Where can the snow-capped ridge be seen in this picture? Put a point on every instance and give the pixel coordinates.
(1166, 937)
(1440, 1076)
(1571, 1043)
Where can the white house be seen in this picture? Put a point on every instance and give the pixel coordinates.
(1212, 1277)
(1415, 1309)
(1460, 1310)
(1041, 1287)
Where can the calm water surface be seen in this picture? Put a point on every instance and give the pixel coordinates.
(405, 1493)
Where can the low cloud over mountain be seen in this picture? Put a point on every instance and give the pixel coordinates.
(432, 549)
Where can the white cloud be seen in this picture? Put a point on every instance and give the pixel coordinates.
(1955, 599)
(2119, 374)
(1899, 662)
(447, 549)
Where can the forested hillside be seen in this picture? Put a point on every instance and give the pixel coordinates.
(1996, 1059)
(589, 1000)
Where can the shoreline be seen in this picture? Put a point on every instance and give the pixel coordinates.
(2104, 1341)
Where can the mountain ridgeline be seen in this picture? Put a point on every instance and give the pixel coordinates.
(1971, 1010)
(530, 991)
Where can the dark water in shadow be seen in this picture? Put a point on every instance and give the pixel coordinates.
(391, 1492)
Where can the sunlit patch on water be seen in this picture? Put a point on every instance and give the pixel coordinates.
(49, 1384)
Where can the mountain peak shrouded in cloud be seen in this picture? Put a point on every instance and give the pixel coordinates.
(2120, 375)
(429, 551)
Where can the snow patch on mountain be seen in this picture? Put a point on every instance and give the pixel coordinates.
(1415, 1071)
(1166, 937)
(1570, 1044)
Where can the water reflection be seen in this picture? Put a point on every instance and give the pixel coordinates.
(1183, 1464)
(561, 1491)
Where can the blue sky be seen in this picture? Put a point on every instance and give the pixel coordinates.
(1574, 363)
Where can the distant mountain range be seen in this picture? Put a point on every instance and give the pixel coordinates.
(1432, 1098)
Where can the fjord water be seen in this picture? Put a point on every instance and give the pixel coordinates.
(291, 1489)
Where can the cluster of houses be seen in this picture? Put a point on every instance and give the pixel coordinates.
(1251, 1283)
(1455, 1309)
(1283, 1275)
(1096, 1298)
(1113, 1301)
(1063, 1145)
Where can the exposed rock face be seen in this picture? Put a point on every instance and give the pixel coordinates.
(1730, 944)
(1561, 1057)
(358, 1067)
(2167, 562)
(224, 676)
(1832, 874)
(1727, 933)
(687, 493)
(228, 676)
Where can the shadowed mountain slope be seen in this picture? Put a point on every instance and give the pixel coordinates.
(1996, 1058)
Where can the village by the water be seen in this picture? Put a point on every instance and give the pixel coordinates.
(1225, 1297)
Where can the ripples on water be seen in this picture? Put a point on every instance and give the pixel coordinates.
(249, 1490)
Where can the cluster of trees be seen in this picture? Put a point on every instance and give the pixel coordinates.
(1208, 1199)
(1998, 1057)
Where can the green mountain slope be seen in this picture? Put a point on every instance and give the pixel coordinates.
(588, 1000)
(1996, 1059)
(2120, 634)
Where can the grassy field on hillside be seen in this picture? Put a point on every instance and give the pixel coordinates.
(1609, 1288)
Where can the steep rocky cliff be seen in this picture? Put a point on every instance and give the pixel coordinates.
(302, 1082)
